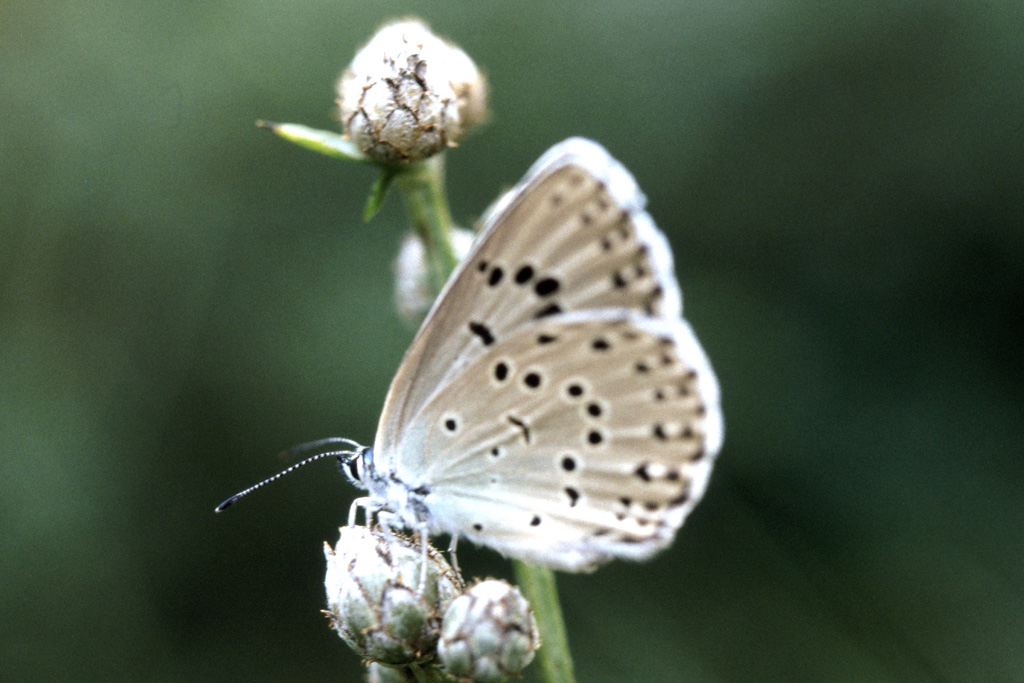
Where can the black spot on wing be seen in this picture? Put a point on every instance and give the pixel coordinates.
(523, 427)
(546, 287)
(501, 371)
(550, 309)
(573, 494)
(483, 332)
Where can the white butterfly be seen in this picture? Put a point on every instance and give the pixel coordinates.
(554, 405)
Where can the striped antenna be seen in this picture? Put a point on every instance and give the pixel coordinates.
(294, 451)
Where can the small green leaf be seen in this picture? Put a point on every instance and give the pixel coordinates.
(324, 141)
(378, 192)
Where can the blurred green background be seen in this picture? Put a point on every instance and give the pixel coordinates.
(183, 295)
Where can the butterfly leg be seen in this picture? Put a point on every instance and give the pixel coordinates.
(369, 505)
(353, 510)
(388, 522)
(421, 528)
(452, 555)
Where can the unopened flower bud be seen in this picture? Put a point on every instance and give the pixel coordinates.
(413, 286)
(488, 633)
(409, 94)
(374, 599)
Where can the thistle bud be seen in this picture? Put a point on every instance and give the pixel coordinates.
(374, 599)
(488, 633)
(413, 291)
(409, 94)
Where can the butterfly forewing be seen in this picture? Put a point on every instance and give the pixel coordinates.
(571, 236)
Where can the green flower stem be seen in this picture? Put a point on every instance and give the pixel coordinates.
(423, 186)
(538, 585)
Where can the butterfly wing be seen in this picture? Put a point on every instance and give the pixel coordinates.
(554, 384)
(580, 438)
(571, 236)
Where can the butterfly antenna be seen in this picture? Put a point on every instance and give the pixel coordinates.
(313, 458)
(317, 445)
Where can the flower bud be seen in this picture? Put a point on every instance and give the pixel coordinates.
(374, 599)
(413, 291)
(488, 633)
(408, 94)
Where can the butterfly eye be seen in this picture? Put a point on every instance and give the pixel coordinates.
(353, 468)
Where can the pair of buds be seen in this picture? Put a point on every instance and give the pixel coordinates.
(391, 612)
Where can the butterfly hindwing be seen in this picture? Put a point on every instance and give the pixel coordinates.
(597, 440)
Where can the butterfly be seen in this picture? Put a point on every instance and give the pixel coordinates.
(554, 405)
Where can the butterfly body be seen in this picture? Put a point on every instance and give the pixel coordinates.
(554, 405)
